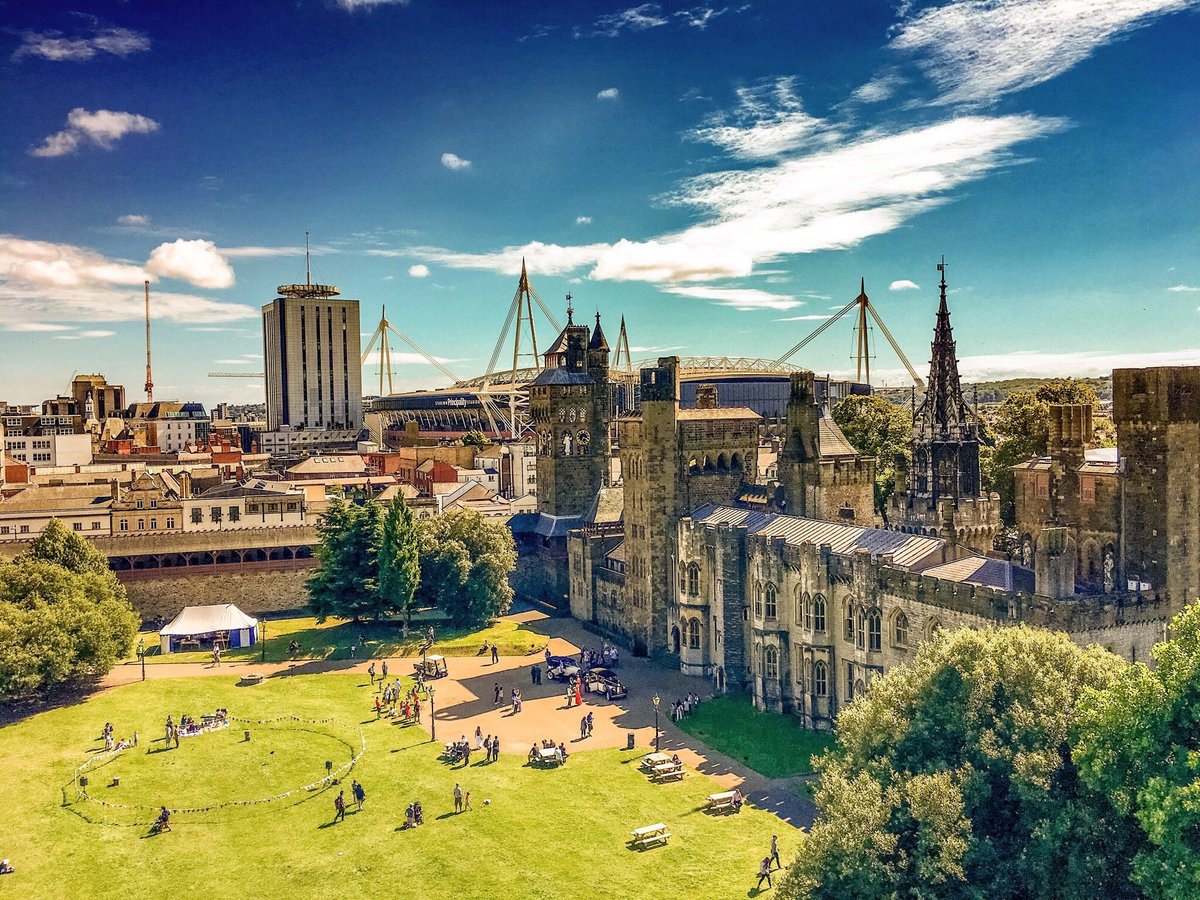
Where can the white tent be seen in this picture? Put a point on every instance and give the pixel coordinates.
(225, 622)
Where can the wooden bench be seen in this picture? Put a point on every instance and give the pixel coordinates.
(649, 835)
(721, 801)
(650, 760)
(666, 771)
(549, 757)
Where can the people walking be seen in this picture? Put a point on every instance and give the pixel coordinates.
(496, 748)
(495, 655)
(458, 798)
(589, 724)
(764, 871)
(216, 656)
(775, 851)
(339, 807)
(467, 801)
(583, 728)
(371, 672)
(498, 692)
(359, 795)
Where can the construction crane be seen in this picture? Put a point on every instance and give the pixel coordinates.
(862, 348)
(149, 379)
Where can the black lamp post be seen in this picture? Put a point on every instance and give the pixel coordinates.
(141, 652)
(432, 715)
(655, 700)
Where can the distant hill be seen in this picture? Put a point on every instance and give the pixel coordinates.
(994, 392)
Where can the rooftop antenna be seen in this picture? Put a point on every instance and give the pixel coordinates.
(149, 379)
(307, 261)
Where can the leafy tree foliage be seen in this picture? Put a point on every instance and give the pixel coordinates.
(953, 777)
(345, 584)
(399, 558)
(876, 427)
(465, 563)
(1139, 743)
(475, 438)
(63, 614)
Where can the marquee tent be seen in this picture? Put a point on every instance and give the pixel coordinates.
(225, 624)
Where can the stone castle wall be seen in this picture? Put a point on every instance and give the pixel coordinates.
(253, 592)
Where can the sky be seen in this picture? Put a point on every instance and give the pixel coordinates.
(720, 175)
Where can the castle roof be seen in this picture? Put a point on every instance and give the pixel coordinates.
(561, 376)
(833, 441)
(721, 412)
(598, 342)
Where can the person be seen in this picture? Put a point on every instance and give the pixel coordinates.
(430, 635)
(775, 851)
(675, 759)
(562, 751)
(371, 672)
(385, 672)
(163, 822)
(458, 798)
(496, 748)
(533, 753)
(339, 807)
(467, 801)
(108, 740)
(738, 800)
(294, 649)
(495, 655)
(578, 693)
(764, 871)
(583, 732)
(359, 795)
(589, 724)
(170, 728)
(410, 819)
(533, 674)
(498, 692)
(216, 656)
(6, 867)
(478, 738)
(466, 753)
(418, 812)
(378, 708)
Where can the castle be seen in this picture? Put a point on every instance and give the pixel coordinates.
(790, 591)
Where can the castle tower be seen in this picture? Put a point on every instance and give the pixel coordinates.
(822, 475)
(945, 454)
(569, 405)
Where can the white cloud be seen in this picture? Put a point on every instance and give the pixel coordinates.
(656, 349)
(608, 94)
(197, 262)
(878, 89)
(256, 252)
(738, 298)
(35, 326)
(700, 16)
(454, 162)
(97, 333)
(812, 317)
(769, 120)
(53, 46)
(904, 284)
(1184, 289)
(637, 18)
(419, 271)
(583, 220)
(101, 128)
(977, 50)
(355, 5)
(133, 220)
(233, 361)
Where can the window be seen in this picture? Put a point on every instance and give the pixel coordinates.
(95, 526)
(154, 504)
(693, 580)
(139, 504)
(875, 630)
(770, 602)
(848, 625)
(758, 601)
(124, 524)
(818, 613)
(860, 634)
(141, 524)
(900, 630)
(154, 524)
(78, 526)
(215, 514)
(24, 529)
(1087, 489)
(197, 516)
(932, 628)
(5, 529)
(820, 679)
(252, 507)
(797, 655)
(693, 634)
(171, 522)
(291, 507)
(235, 514)
(771, 663)
(849, 690)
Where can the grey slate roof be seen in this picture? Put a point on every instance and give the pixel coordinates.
(561, 376)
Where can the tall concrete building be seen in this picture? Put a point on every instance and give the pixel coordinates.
(311, 347)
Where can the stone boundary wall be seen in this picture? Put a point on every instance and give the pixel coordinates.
(253, 592)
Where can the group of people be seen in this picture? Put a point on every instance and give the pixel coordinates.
(607, 655)
(371, 672)
(358, 797)
(414, 815)
(560, 751)
(188, 726)
(397, 702)
(769, 863)
(585, 726)
(682, 708)
(460, 750)
(111, 743)
(462, 801)
(514, 697)
(575, 691)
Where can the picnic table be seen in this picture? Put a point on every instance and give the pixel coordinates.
(650, 760)
(550, 755)
(650, 834)
(722, 800)
(667, 770)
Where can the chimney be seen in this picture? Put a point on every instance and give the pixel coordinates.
(706, 397)
(1070, 429)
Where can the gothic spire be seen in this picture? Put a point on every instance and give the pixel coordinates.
(598, 341)
(944, 409)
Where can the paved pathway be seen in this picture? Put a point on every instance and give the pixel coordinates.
(464, 701)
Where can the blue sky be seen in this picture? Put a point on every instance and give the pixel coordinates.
(722, 175)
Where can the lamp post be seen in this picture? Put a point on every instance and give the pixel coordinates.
(655, 700)
(432, 715)
(141, 652)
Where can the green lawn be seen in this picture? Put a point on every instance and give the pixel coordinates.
(546, 833)
(777, 746)
(333, 639)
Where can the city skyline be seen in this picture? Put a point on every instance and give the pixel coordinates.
(721, 175)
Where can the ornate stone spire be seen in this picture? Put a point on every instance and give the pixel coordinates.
(944, 412)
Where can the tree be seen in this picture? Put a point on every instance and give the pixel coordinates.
(876, 427)
(1139, 743)
(63, 615)
(399, 558)
(465, 563)
(475, 438)
(953, 777)
(345, 584)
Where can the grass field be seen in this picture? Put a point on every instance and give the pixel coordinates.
(546, 833)
(777, 746)
(333, 639)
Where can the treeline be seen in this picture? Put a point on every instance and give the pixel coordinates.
(375, 561)
(1011, 763)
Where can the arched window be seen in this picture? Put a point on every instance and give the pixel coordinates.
(808, 621)
(800, 595)
(758, 601)
(932, 627)
(818, 613)
(860, 632)
(693, 634)
(875, 630)
(848, 624)
(682, 579)
(900, 630)
(770, 603)
(820, 679)
(693, 580)
(771, 663)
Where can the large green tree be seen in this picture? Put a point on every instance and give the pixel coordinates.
(63, 614)
(399, 558)
(1139, 743)
(877, 427)
(345, 584)
(465, 563)
(953, 777)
